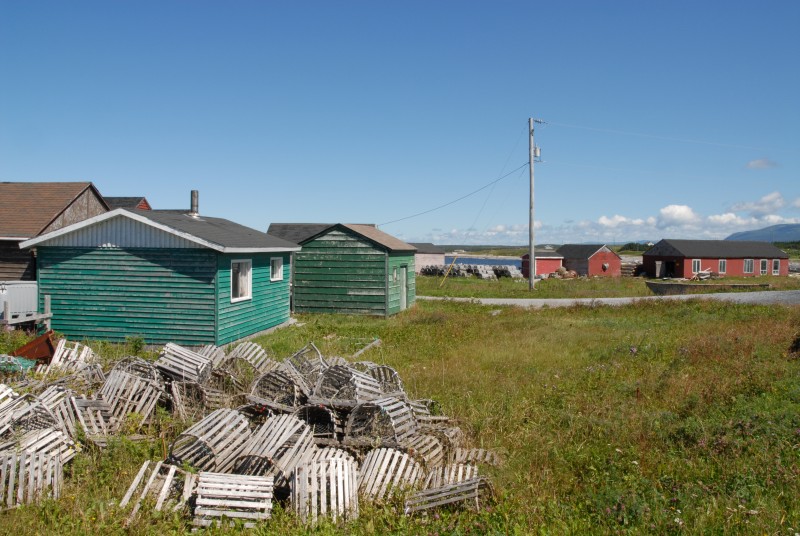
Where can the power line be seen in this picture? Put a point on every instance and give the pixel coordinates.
(456, 200)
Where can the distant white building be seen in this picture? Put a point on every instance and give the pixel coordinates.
(427, 254)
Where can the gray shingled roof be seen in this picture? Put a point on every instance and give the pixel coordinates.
(716, 249)
(427, 247)
(123, 202)
(302, 232)
(579, 251)
(297, 232)
(226, 233)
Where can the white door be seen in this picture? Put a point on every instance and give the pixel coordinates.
(403, 287)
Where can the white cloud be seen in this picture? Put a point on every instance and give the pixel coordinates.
(761, 163)
(671, 221)
(769, 204)
(676, 216)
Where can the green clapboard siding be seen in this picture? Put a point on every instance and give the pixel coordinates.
(268, 307)
(396, 262)
(162, 295)
(340, 272)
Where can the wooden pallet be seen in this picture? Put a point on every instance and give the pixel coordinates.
(470, 493)
(325, 488)
(26, 477)
(386, 470)
(213, 443)
(385, 421)
(162, 482)
(222, 497)
(183, 364)
(276, 447)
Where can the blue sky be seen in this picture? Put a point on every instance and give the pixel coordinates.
(665, 119)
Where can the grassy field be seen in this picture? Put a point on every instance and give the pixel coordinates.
(652, 418)
(470, 287)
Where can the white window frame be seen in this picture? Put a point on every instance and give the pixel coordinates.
(248, 275)
(744, 266)
(723, 266)
(763, 266)
(273, 276)
(696, 266)
(776, 267)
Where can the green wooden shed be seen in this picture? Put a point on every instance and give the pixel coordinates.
(165, 276)
(349, 268)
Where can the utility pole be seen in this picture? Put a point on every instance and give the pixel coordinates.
(533, 153)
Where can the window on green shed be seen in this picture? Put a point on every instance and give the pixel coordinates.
(276, 269)
(241, 280)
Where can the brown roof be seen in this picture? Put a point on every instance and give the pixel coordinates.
(27, 208)
(388, 241)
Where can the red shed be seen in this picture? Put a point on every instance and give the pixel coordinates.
(547, 262)
(685, 258)
(591, 260)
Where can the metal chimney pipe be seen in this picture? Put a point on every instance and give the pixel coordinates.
(194, 212)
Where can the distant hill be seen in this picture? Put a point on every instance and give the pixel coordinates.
(787, 232)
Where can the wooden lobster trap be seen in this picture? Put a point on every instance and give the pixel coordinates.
(213, 443)
(325, 488)
(385, 421)
(472, 493)
(282, 390)
(275, 448)
(133, 386)
(344, 387)
(325, 422)
(182, 364)
(165, 483)
(225, 498)
(386, 470)
(387, 377)
(26, 477)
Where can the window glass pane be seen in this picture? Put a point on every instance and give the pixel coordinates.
(723, 266)
(240, 279)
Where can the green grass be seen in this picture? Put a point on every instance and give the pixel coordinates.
(471, 287)
(652, 418)
(597, 287)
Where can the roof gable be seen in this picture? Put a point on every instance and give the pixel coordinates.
(714, 249)
(213, 233)
(305, 232)
(427, 248)
(27, 208)
(582, 251)
(138, 202)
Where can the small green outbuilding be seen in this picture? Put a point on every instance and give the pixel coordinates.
(163, 275)
(349, 268)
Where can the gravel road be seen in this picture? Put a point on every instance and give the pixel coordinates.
(772, 297)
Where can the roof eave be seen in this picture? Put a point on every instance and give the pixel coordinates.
(260, 250)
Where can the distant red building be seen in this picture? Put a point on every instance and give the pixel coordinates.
(591, 260)
(547, 262)
(685, 258)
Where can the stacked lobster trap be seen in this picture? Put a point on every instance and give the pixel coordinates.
(318, 433)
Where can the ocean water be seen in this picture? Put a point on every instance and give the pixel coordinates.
(490, 261)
